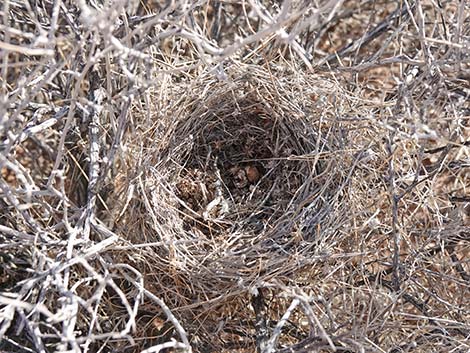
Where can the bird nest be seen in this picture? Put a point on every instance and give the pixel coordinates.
(243, 170)
(237, 179)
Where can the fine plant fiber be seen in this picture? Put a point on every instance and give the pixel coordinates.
(234, 176)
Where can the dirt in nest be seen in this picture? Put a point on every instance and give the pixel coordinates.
(238, 170)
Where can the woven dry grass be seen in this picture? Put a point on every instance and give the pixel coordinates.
(236, 182)
(237, 176)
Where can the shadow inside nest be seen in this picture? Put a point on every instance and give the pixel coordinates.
(243, 173)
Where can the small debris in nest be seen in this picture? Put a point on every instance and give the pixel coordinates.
(245, 176)
(252, 173)
(239, 177)
(196, 189)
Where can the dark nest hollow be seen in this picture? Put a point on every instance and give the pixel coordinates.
(236, 192)
(240, 174)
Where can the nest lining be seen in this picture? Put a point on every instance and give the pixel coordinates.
(241, 173)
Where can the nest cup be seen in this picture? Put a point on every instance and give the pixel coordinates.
(239, 173)
(244, 171)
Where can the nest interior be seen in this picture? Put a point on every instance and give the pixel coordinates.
(240, 173)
